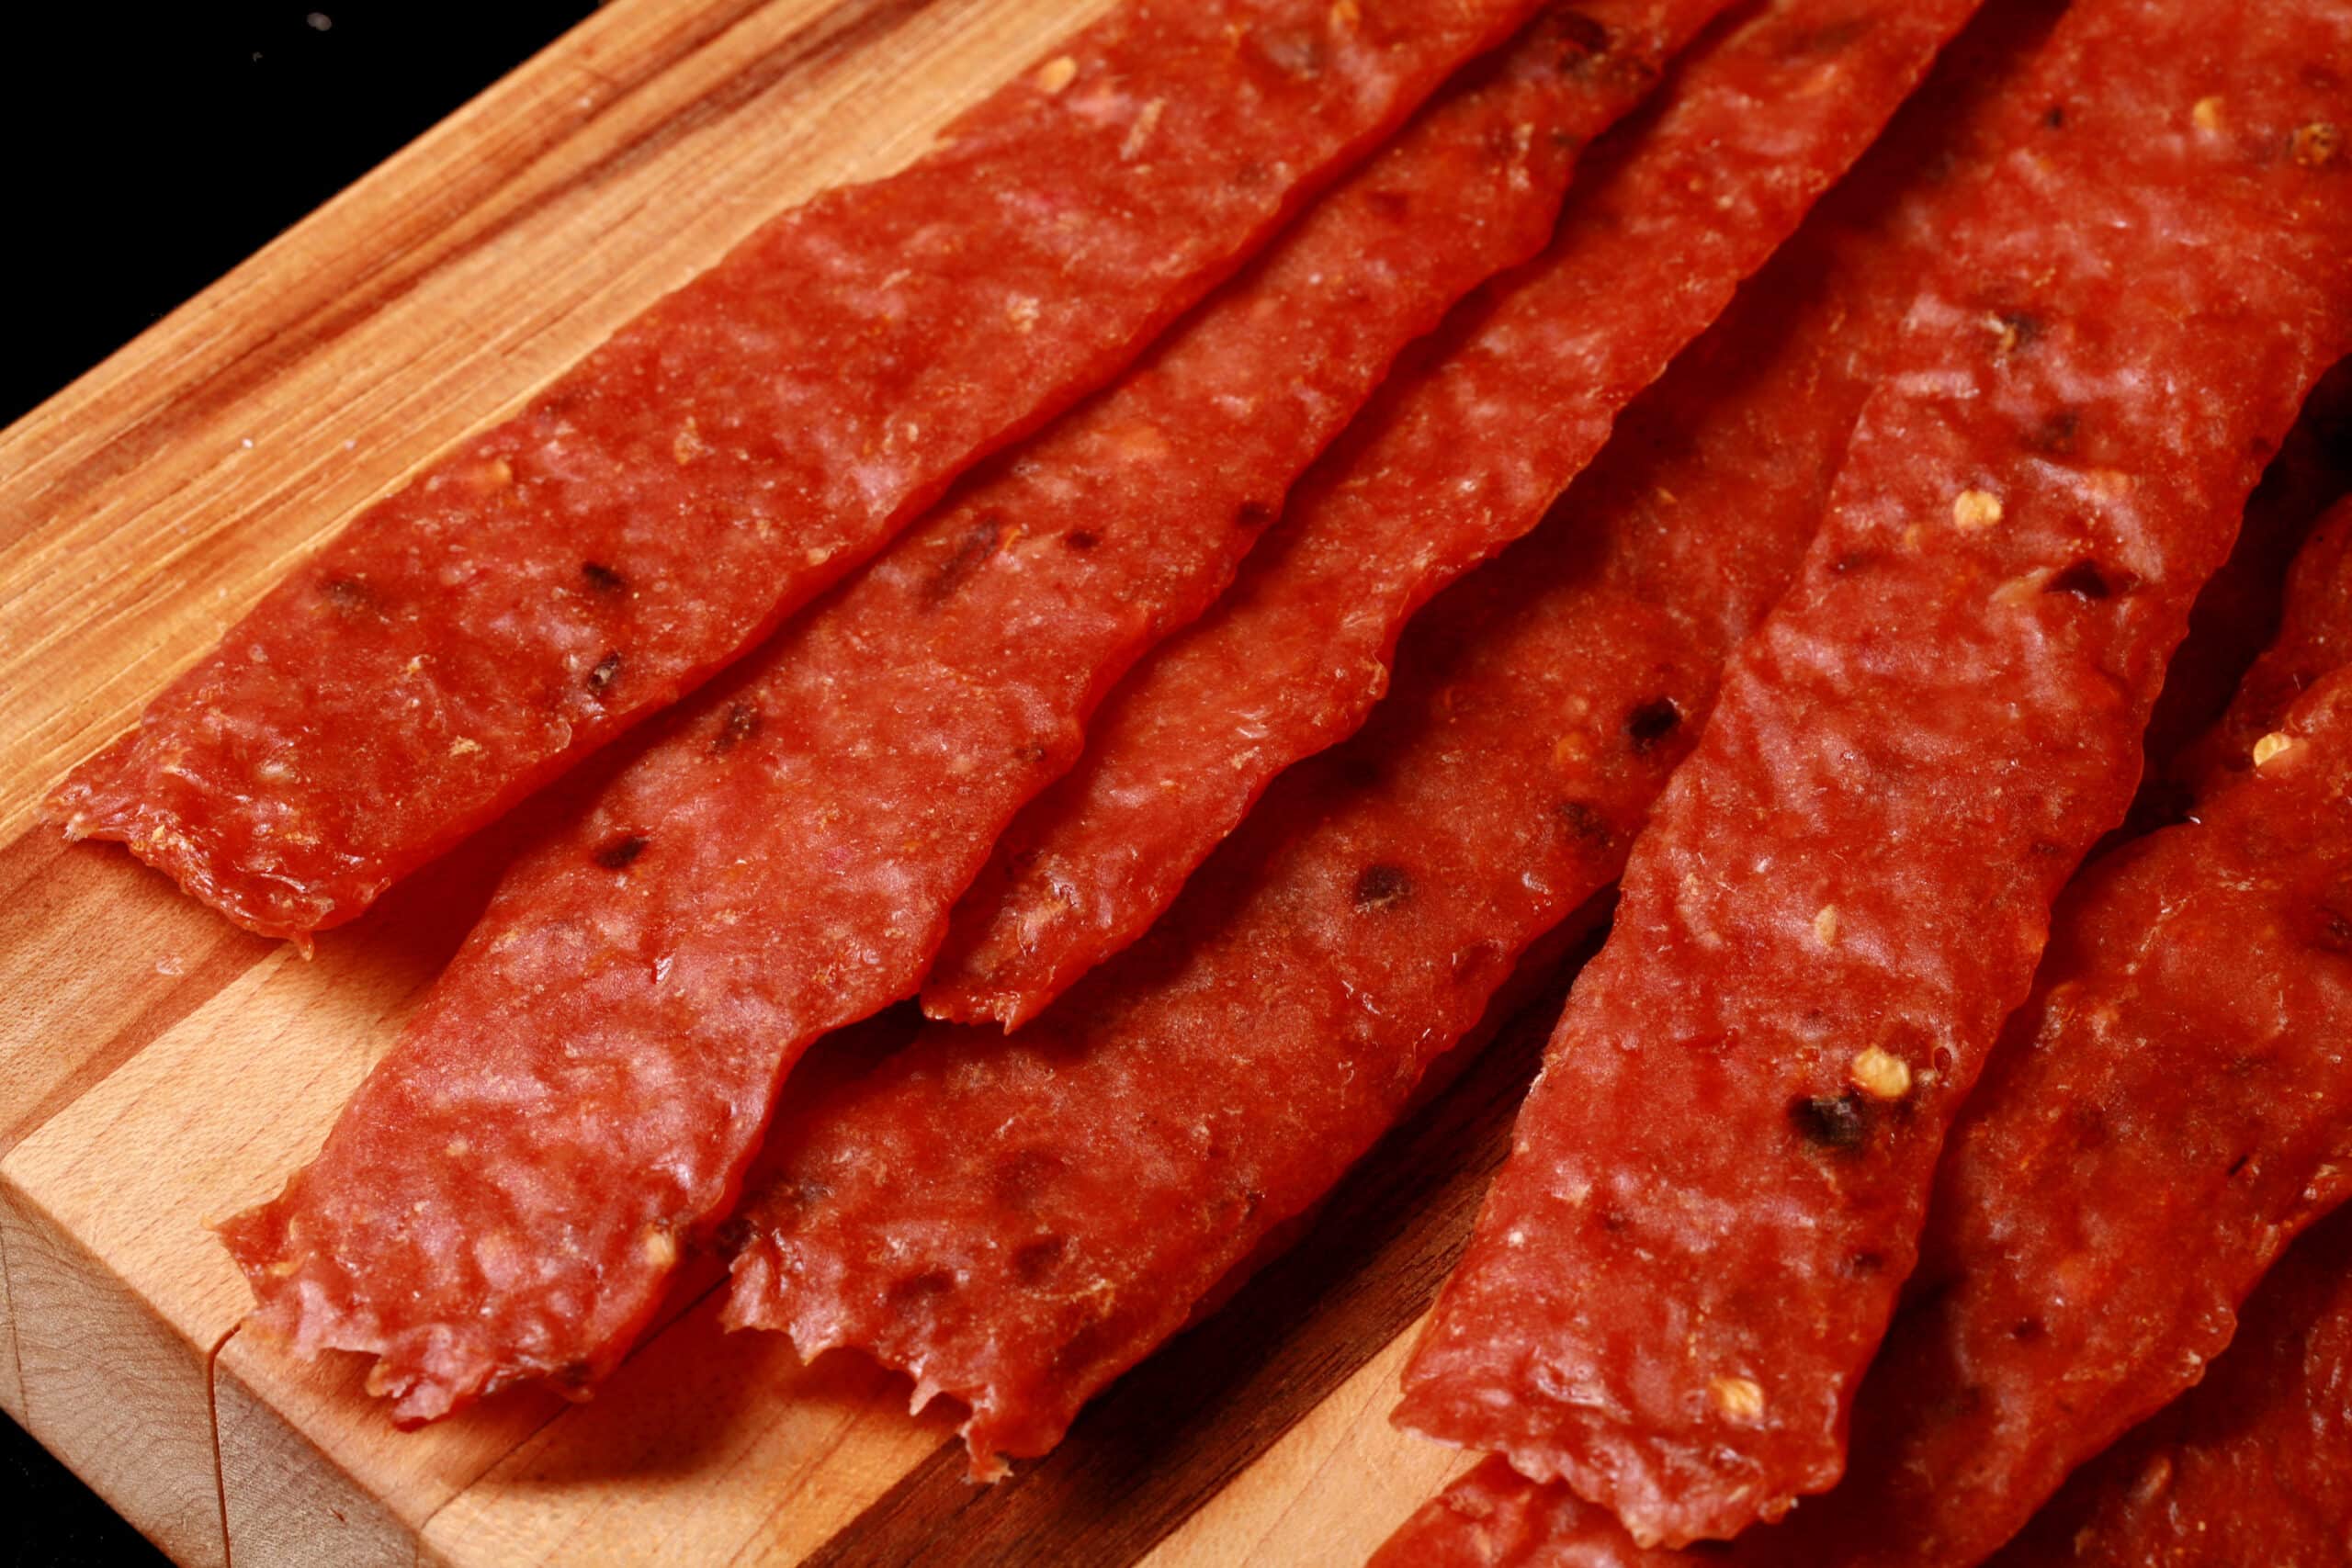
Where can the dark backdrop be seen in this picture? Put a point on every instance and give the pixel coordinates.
(149, 145)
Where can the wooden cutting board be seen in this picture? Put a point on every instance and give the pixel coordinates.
(159, 1069)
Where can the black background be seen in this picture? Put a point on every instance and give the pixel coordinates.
(149, 147)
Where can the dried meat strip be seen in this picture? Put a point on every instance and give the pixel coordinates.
(1718, 1182)
(2164, 1115)
(781, 861)
(2252, 1465)
(1015, 1221)
(2314, 637)
(1454, 461)
(743, 445)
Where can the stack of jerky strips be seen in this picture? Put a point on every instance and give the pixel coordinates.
(1009, 561)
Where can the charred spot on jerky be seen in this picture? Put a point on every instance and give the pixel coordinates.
(2239, 1164)
(349, 595)
(743, 722)
(620, 852)
(1582, 821)
(1862, 1265)
(1080, 540)
(1031, 754)
(573, 1375)
(733, 1235)
(971, 553)
(1830, 37)
(606, 668)
(2085, 579)
(1614, 1220)
(1652, 722)
(1382, 886)
(1023, 1176)
(917, 1289)
(1253, 515)
(1585, 35)
(602, 578)
(1853, 561)
(1830, 1122)
(2054, 117)
(1033, 1262)
(2054, 437)
(2026, 1330)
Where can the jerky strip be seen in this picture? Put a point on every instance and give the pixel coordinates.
(1016, 1220)
(2164, 1116)
(782, 862)
(1717, 1184)
(2252, 1465)
(740, 447)
(1453, 462)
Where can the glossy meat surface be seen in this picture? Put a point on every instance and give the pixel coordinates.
(740, 446)
(510, 1191)
(1016, 1220)
(1719, 1181)
(2254, 1465)
(1456, 458)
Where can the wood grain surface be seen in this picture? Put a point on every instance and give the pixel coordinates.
(159, 1069)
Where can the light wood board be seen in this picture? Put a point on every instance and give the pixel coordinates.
(159, 1069)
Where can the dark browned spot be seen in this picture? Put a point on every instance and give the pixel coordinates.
(2085, 579)
(349, 595)
(2018, 330)
(916, 1289)
(1862, 1265)
(2315, 145)
(1853, 561)
(2055, 437)
(574, 1374)
(2239, 1164)
(1382, 886)
(602, 578)
(1031, 754)
(2026, 1330)
(1652, 722)
(1078, 539)
(620, 851)
(1582, 821)
(741, 722)
(1830, 1122)
(971, 553)
(1614, 1220)
(1587, 34)
(1033, 1262)
(2054, 117)
(606, 668)
(733, 1235)
(1023, 1176)
(2329, 928)
(1253, 515)
(1830, 37)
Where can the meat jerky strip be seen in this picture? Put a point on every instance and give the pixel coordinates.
(1718, 1182)
(2169, 1110)
(1016, 1220)
(2314, 637)
(2252, 1465)
(782, 861)
(1520, 399)
(741, 446)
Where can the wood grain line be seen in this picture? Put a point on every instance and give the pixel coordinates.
(1172, 1432)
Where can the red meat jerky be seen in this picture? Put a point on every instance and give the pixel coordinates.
(2254, 1465)
(1453, 461)
(782, 861)
(1718, 1182)
(2172, 1106)
(1015, 1221)
(743, 445)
